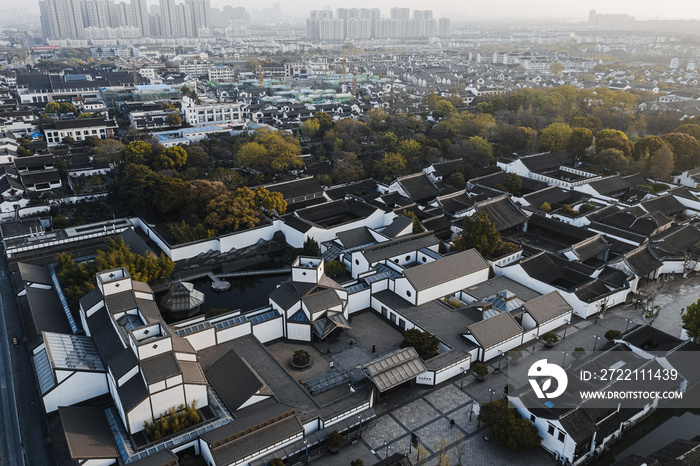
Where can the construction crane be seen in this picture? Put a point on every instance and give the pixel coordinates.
(354, 82)
(261, 76)
(345, 65)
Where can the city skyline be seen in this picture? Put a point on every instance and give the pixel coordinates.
(509, 9)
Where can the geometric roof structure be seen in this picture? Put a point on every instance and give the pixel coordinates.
(182, 297)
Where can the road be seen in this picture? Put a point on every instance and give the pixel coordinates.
(21, 411)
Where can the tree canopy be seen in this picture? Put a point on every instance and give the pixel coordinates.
(508, 427)
(425, 343)
(478, 232)
(242, 208)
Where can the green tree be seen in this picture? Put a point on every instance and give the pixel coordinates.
(391, 163)
(324, 120)
(691, 320)
(689, 128)
(417, 225)
(685, 149)
(425, 343)
(513, 183)
(556, 68)
(68, 140)
(646, 146)
(136, 152)
(478, 151)
(271, 151)
(310, 247)
(107, 150)
(612, 334)
(334, 441)
(609, 134)
(444, 109)
(456, 180)
(335, 268)
(67, 107)
(478, 232)
(52, 107)
(613, 160)
(508, 427)
(545, 207)
(184, 233)
(172, 157)
(78, 279)
(621, 144)
(659, 164)
(580, 140)
(310, 128)
(174, 120)
(554, 137)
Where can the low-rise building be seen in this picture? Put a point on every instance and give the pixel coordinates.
(208, 113)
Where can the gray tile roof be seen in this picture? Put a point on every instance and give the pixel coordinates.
(426, 276)
(355, 237)
(547, 307)
(132, 392)
(494, 330)
(320, 301)
(501, 283)
(87, 433)
(34, 273)
(503, 212)
(233, 380)
(160, 367)
(399, 224)
(399, 246)
(121, 302)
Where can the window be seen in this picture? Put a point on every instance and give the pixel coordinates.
(561, 437)
(408, 258)
(532, 417)
(396, 261)
(550, 429)
(408, 293)
(425, 260)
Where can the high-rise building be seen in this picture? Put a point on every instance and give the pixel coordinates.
(62, 19)
(201, 16)
(399, 13)
(139, 13)
(444, 27)
(422, 14)
(168, 17)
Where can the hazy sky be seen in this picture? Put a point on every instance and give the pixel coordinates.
(642, 9)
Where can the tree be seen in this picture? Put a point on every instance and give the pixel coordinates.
(243, 208)
(184, 233)
(52, 107)
(659, 164)
(174, 120)
(611, 160)
(346, 168)
(550, 338)
(478, 232)
(691, 129)
(566, 209)
(86, 115)
(478, 151)
(513, 183)
(578, 353)
(325, 121)
(685, 149)
(691, 319)
(612, 334)
(67, 107)
(357, 462)
(481, 370)
(609, 134)
(310, 127)
(456, 180)
(554, 137)
(107, 149)
(425, 343)
(276, 462)
(443, 458)
(335, 268)
(460, 448)
(172, 157)
(334, 441)
(78, 279)
(310, 247)
(136, 152)
(556, 68)
(580, 140)
(545, 207)
(508, 427)
(417, 224)
(391, 163)
(68, 140)
(647, 145)
(621, 144)
(444, 109)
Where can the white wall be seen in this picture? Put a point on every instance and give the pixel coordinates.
(452, 286)
(75, 389)
(203, 339)
(141, 413)
(358, 301)
(233, 332)
(196, 393)
(298, 331)
(269, 330)
(453, 371)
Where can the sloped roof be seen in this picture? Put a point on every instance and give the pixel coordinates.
(399, 246)
(395, 368)
(87, 433)
(296, 188)
(503, 212)
(547, 307)
(431, 274)
(494, 330)
(642, 261)
(667, 205)
(591, 247)
(234, 380)
(419, 187)
(610, 185)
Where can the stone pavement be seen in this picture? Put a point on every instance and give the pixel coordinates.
(429, 417)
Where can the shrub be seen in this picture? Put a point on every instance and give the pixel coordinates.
(334, 441)
(550, 338)
(658, 187)
(578, 353)
(481, 370)
(277, 462)
(586, 208)
(325, 180)
(611, 334)
(172, 421)
(515, 355)
(335, 268)
(545, 207)
(501, 187)
(301, 357)
(567, 210)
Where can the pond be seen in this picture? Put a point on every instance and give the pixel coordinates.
(245, 293)
(658, 430)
